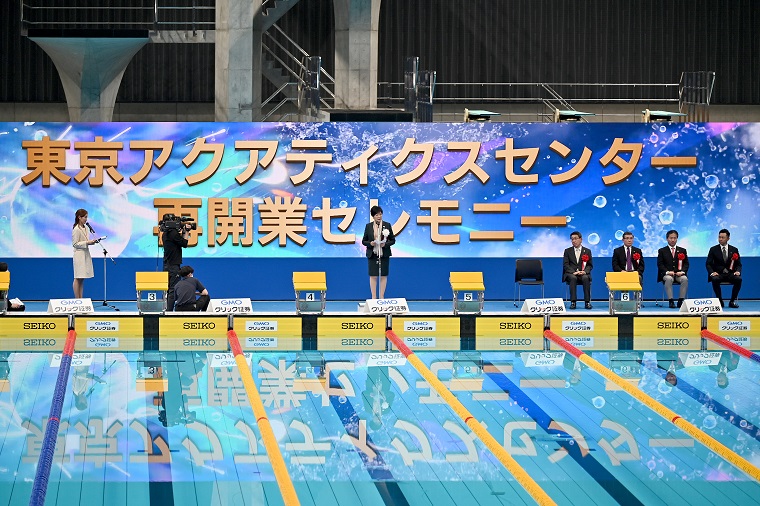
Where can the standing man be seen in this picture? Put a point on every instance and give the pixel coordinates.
(672, 265)
(186, 290)
(576, 267)
(628, 257)
(174, 238)
(724, 264)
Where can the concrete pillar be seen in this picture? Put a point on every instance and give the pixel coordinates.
(356, 53)
(90, 70)
(237, 53)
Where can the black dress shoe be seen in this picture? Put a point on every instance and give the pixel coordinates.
(572, 305)
(671, 304)
(680, 302)
(733, 303)
(721, 303)
(589, 306)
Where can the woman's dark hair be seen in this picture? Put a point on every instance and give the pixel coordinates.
(79, 214)
(375, 210)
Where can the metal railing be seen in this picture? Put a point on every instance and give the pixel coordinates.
(190, 15)
(281, 48)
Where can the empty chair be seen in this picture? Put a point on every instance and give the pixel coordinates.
(528, 272)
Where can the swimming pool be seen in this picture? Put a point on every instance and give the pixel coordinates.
(177, 427)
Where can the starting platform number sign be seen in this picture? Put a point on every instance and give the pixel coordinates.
(152, 296)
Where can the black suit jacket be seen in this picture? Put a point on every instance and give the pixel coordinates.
(570, 264)
(618, 260)
(715, 261)
(666, 262)
(369, 236)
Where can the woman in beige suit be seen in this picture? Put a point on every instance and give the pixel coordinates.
(80, 240)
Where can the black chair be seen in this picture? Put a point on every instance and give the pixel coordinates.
(528, 272)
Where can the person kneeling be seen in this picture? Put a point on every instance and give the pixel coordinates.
(186, 290)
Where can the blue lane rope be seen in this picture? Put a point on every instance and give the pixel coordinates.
(47, 452)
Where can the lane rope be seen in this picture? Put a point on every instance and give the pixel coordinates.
(668, 414)
(501, 454)
(280, 470)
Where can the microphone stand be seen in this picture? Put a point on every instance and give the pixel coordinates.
(105, 275)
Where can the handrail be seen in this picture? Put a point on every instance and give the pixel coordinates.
(298, 62)
(276, 108)
(276, 92)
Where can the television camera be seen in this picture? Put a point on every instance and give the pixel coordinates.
(173, 222)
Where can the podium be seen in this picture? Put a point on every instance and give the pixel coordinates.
(5, 285)
(152, 288)
(310, 289)
(622, 284)
(469, 292)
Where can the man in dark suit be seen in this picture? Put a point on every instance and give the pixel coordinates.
(378, 238)
(672, 265)
(576, 267)
(628, 257)
(724, 264)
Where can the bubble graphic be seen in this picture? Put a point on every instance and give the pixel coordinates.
(568, 218)
(619, 235)
(728, 206)
(39, 134)
(743, 424)
(216, 187)
(216, 416)
(598, 402)
(745, 180)
(342, 399)
(653, 139)
(712, 181)
(343, 204)
(651, 465)
(600, 201)
(593, 238)
(664, 387)
(663, 129)
(660, 474)
(709, 422)
(666, 217)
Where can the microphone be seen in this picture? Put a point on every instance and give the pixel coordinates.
(90, 227)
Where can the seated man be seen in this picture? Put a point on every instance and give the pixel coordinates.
(10, 304)
(672, 265)
(724, 264)
(576, 268)
(628, 257)
(187, 288)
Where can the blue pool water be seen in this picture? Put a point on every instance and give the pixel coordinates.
(177, 428)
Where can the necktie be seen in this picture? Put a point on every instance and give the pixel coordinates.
(578, 256)
(628, 263)
(725, 254)
(673, 251)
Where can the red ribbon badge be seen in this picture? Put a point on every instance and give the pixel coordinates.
(735, 256)
(584, 258)
(681, 258)
(636, 256)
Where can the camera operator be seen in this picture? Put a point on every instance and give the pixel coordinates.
(175, 236)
